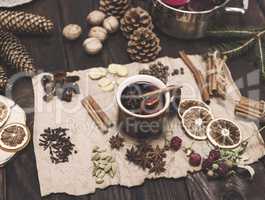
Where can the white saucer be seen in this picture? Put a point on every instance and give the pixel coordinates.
(17, 115)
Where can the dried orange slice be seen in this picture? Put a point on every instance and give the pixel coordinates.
(14, 137)
(224, 134)
(195, 121)
(4, 113)
(189, 103)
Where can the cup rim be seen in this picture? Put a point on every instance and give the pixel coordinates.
(139, 78)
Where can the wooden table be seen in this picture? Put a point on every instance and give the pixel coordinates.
(19, 179)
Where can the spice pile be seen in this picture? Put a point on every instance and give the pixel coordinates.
(158, 70)
(147, 157)
(58, 144)
(103, 163)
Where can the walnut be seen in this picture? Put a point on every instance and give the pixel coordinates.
(72, 31)
(99, 33)
(96, 17)
(92, 45)
(111, 24)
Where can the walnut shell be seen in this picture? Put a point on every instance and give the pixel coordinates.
(99, 33)
(92, 46)
(96, 17)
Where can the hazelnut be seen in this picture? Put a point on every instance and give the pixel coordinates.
(92, 45)
(111, 24)
(72, 31)
(96, 17)
(98, 32)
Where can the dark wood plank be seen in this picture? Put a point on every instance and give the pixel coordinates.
(2, 184)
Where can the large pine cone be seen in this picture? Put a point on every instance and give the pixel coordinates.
(22, 22)
(115, 8)
(135, 18)
(14, 53)
(144, 45)
(3, 78)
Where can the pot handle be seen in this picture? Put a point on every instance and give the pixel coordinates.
(239, 10)
(235, 10)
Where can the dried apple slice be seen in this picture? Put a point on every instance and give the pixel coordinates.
(14, 137)
(97, 73)
(117, 69)
(104, 82)
(195, 121)
(224, 134)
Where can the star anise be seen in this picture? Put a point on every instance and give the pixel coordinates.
(144, 161)
(116, 142)
(157, 154)
(158, 167)
(131, 155)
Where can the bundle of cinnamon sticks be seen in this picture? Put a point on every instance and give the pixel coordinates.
(249, 108)
(216, 78)
(100, 118)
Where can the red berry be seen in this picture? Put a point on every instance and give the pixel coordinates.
(175, 3)
(195, 159)
(214, 155)
(175, 143)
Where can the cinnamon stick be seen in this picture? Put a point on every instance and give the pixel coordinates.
(252, 103)
(103, 116)
(247, 110)
(197, 76)
(94, 116)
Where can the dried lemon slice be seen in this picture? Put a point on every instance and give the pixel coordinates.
(224, 134)
(195, 121)
(189, 103)
(4, 113)
(14, 137)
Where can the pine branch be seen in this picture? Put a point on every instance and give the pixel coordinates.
(234, 32)
(234, 48)
(261, 56)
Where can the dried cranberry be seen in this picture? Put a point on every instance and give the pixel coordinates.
(214, 155)
(175, 143)
(195, 159)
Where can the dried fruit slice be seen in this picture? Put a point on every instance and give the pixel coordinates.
(189, 103)
(120, 70)
(14, 137)
(97, 73)
(224, 134)
(104, 82)
(195, 121)
(4, 113)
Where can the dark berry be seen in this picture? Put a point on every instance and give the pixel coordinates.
(207, 164)
(214, 155)
(195, 159)
(175, 143)
(223, 169)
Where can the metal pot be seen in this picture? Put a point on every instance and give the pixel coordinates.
(188, 24)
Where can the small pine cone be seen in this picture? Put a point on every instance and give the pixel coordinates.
(144, 45)
(3, 78)
(14, 53)
(115, 8)
(135, 18)
(22, 22)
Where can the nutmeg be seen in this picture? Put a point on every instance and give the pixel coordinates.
(92, 46)
(98, 32)
(96, 17)
(72, 31)
(111, 24)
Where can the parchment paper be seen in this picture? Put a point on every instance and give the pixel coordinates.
(75, 177)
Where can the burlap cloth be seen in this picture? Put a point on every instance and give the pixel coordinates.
(75, 177)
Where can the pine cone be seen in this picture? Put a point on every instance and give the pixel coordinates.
(22, 22)
(115, 8)
(135, 18)
(3, 78)
(14, 53)
(144, 45)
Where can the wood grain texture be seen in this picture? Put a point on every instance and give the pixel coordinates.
(3, 184)
(55, 53)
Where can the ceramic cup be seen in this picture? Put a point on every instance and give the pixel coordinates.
(137, 125)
